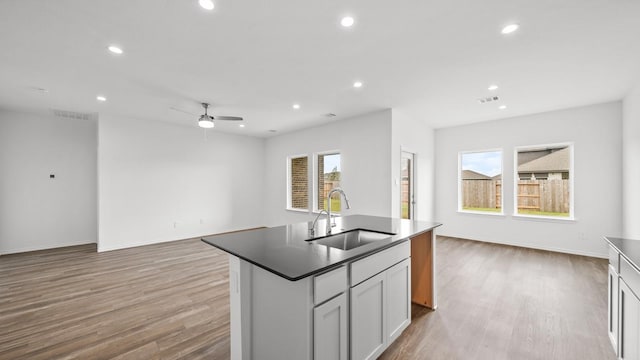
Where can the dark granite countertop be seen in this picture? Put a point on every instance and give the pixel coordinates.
(285, 251)
(628, 248)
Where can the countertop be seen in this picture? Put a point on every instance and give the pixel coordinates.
(286, 251)
(628, 248)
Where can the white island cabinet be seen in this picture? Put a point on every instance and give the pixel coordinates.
(330, 330)
(353, 311)
(303, 295)
(381, 304)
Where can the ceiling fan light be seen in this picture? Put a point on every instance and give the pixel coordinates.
(206, 4)
(205, 122)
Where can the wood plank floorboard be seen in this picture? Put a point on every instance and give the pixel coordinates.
(171, 301)
(505, 302)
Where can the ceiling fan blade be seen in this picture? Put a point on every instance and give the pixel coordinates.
(182, 111)
(232, 118)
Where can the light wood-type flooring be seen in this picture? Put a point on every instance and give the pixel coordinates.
(170, 301)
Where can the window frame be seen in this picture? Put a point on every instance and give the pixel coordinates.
(571, 179)
(290, 183)
(316, 185)
(460, 200)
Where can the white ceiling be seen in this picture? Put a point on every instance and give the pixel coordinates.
(255, 59)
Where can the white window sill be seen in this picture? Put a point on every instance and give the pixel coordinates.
(489, 213)
(316, 212)
(306, 211)
(544, 218)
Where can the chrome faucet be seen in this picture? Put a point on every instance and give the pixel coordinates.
(346, 200)
(312, 229)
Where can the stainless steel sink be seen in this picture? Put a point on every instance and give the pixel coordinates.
(351, 239)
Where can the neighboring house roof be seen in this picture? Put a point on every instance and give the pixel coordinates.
(557, 161)
(472, 175)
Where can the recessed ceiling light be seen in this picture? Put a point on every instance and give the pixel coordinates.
(493, 87)
(241, 125)
(510, 28)
(347, 21)
(114, 49)
(296, 106)
(101, 98)
(357, 84)
(502, 107)
(206, 4)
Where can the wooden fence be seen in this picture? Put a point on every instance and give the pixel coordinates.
(544, 195)
(536, 195)
(481, 194)
(328, 186)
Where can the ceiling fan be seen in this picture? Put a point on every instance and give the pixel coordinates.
(206, 120)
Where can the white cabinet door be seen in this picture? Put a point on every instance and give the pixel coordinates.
(330, 332)
(368, 318)
(398, 299)
(613, 308)
(629, 335)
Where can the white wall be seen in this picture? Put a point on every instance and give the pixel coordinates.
(37, 212)
(364, 143)
(596, 134)
(417, 137)
(631, 164)
(161, 182)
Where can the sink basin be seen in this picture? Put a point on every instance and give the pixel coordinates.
(351, 239)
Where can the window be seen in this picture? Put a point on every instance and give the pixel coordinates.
(544, 176)
(298, 192)
(480, 181)
(328, 178)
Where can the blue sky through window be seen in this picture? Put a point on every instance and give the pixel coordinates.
(331, 161)
(488, 163)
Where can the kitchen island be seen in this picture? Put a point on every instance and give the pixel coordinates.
(344, 295)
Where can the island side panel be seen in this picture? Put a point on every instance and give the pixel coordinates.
(423, 284)
(281, 317)
(240, 307)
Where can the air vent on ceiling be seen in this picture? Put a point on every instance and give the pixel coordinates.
(330, 115)
(488, 99)
(71, 114)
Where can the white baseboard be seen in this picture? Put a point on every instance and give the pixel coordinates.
(538, 247)
(41, 247)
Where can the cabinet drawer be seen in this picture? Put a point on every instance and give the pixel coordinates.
(630, 275)
(363, 269)
(330, 284)
(614, 259)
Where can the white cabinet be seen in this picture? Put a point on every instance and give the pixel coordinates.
(354, 311)
(368, 318)
(628, 311)
(330, 331)
(629, 324)
(398, 299)
(612, 298)
(380, 310)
